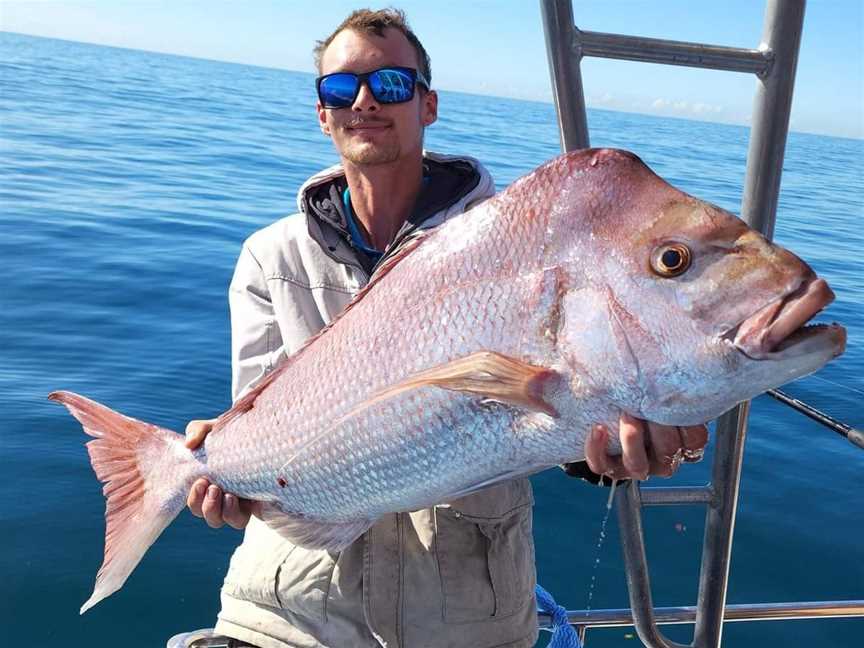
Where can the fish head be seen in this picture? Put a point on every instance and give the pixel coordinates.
(689, 310)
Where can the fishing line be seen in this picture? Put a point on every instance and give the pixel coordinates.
(837, 384)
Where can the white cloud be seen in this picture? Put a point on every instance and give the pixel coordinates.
(681, 107)
(607, 99)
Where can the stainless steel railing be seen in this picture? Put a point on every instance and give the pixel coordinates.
(623, 617)
(773, 63)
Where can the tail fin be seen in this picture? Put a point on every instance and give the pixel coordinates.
(147, 473)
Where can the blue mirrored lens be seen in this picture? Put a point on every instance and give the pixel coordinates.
(391, 85)
(338, 90)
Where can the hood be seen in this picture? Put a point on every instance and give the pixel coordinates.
(455, 183)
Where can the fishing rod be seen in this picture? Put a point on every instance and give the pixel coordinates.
(855, 437)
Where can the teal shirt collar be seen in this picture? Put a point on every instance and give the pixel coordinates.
(354, 229)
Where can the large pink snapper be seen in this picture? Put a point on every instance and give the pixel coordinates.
(481, 352)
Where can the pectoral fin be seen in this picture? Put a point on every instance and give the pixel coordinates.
(488, 374)
(491, 375)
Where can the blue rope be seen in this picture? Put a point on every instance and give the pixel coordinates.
(563, 634)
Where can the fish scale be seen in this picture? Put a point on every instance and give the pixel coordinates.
(482, 351)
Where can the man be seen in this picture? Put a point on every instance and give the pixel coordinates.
(460, 575)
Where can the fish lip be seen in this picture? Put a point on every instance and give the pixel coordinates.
(811, 337)
(775, 330)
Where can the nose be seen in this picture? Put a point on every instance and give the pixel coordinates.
(365, 100)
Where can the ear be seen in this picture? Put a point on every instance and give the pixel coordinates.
(429, 107)
(322, 118)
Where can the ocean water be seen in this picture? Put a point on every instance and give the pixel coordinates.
(128, 181)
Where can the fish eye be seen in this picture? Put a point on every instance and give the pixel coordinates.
(671, 260)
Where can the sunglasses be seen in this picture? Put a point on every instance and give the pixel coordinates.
(389, 85)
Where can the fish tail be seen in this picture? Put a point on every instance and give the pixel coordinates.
(146, 471)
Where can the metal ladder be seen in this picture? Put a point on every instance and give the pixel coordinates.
(773, 63)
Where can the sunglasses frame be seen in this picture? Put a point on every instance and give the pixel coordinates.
(416, 77)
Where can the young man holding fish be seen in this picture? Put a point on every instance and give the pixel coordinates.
(488, 344)
(457, 575)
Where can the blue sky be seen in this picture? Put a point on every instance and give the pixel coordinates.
(497, 47)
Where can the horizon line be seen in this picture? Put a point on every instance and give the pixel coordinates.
(472, 94)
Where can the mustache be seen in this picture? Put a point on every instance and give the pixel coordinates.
(365, 121)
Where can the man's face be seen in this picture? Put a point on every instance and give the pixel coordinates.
(369, 132)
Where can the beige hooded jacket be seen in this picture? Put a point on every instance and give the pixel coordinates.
(459, 574)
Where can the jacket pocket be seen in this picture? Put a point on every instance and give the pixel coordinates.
(303, 582)
(267, 570)
(485, 552)
(255, 565)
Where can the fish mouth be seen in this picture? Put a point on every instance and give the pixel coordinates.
(780, 329)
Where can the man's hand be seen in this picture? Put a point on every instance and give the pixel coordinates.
(207, 500)
(647, 448)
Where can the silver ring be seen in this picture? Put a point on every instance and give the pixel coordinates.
(694, 456)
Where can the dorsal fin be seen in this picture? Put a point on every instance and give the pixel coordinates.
(246, 403)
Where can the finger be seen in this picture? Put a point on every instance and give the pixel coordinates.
(694, 438)
(256, 508)
(196, 496)
(633, 453)
(595, 449)
(196, 432)
(212, 507)
(616, 469)
(666, 449)
(236, 512)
